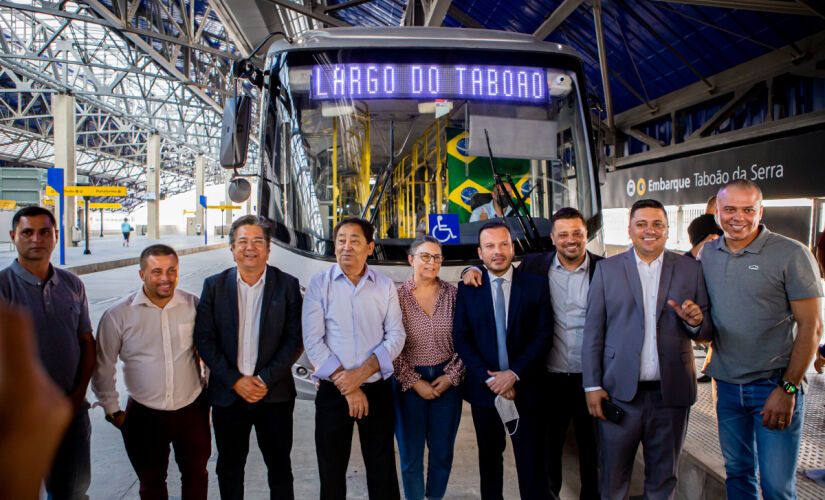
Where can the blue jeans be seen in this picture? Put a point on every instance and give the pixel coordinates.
(746, 444)
(435, 421)
(71, 470)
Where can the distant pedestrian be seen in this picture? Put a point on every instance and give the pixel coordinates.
(56, 300)
(765, 296)
(150, 330)
(701, 230)
(126, 229)
(427, 373)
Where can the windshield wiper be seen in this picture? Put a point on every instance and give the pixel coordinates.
(518, 206)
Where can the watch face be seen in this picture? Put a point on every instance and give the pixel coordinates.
(790, 388)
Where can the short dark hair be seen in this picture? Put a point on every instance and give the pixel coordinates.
(742, 184)
(424, 238)
(566, 213)
(367, 228)
(156, 251)
(493, 224)
(647, 203)
(250, 220)
(33, 211)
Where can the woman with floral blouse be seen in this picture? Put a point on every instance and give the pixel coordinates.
(427, 373)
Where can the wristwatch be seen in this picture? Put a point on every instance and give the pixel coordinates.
(789, 388)
(113, 416)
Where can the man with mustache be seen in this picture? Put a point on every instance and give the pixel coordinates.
(248, 333)
(502, 332)
(569, 270)
(151, 331)
(637, 353)
(56, 300)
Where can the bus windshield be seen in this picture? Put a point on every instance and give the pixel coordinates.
(396, 136)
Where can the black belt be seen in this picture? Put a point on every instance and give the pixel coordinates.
(650, 385)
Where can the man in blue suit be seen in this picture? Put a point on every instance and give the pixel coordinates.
(502, 331)
(637, 353)
(248, 332)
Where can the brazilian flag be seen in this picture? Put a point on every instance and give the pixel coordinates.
(478, 176)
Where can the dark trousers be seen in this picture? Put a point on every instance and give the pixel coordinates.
(71, 470)
(333, 441)
(567, 402)
(661, 431)
(147, 434)
(273, 426)
(527, 448)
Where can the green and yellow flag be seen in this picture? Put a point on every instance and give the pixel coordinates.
(472, 174)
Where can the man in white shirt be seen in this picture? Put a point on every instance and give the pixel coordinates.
(248, 333)
(151, 331)
(637, 353)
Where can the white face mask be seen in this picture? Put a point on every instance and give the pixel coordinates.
(507, 412)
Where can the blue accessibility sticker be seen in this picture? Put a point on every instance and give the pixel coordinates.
(444, 228)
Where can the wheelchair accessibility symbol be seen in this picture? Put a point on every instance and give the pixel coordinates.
(444, 227)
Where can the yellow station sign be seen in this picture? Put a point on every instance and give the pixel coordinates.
(94, 191)
(112, 206)
(48, 201)
(50, 191)
(8, 204)
(225, 207)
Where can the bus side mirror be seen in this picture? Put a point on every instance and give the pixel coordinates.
(235, 131)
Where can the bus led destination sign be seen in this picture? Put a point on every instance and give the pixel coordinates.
(429, 81)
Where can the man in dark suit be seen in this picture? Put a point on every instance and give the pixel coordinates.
(248, 332)
(569, 270)
(637, 353)
(502, 332)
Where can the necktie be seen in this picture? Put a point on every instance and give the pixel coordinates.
(501, 325)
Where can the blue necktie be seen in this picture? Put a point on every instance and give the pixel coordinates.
(501, 325)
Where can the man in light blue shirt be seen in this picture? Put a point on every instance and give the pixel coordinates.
(126, 229)
(352, 331)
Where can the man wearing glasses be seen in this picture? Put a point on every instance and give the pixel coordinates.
(248, 332)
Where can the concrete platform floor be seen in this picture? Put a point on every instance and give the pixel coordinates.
(113, 477)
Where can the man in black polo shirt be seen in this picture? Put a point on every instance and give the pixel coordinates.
(57, 302)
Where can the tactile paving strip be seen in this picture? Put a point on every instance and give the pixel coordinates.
(702, 434)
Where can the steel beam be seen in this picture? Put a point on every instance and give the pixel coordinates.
(309, 12)
(603, 66)
(438, 9)
(774, 6)
(556, 18)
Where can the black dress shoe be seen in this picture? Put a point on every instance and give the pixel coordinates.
(703, 378)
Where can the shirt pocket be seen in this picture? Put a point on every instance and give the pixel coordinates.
(185, 331)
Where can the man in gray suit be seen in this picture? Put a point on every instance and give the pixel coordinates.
(637, 353)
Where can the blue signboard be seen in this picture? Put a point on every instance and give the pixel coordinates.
(521, 84)
(203, 201)
(444, 228)
(54, 179)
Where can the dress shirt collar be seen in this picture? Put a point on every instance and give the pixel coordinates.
(337, 272)
(657, 261)
(508, 276)
(582, 267)
(31, 279)
(256, 284)
(142, 300)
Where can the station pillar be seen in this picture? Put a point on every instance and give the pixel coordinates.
(153, 188)
(64, 154)
(199, 189)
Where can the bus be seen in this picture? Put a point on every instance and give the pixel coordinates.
(421, 131)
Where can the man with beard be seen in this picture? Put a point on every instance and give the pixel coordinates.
(248, 333)
(502, 332)
(569, 269)
(765, 294)
(56, 300)
(637, 353)
(151, 331)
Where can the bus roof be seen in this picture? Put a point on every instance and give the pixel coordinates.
(417, 37)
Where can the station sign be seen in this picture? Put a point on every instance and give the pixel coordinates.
(8, 204)
(224, 207)
(109, 206)
(48, 201)
(50, 191)
(788, 167)
(94, 191)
